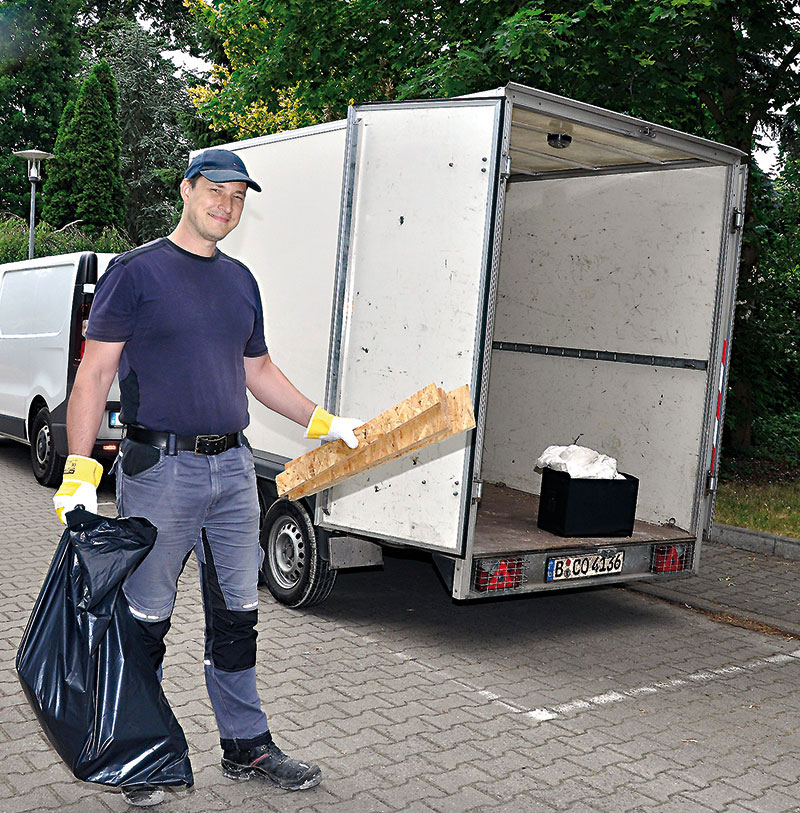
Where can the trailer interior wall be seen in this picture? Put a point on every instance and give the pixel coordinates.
(288, 238)
(625, 263)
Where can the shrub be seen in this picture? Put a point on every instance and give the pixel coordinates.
(49, 241)
(778, 436)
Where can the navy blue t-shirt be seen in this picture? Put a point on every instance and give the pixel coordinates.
(187, 322)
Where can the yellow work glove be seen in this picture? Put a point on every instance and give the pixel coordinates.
(79, 486)
(324, 426)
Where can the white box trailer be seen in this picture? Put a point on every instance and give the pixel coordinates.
(576, 267)
(44, 306)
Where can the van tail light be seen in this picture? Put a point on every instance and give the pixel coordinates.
(672, 558)
(79, 332)
(499, 574)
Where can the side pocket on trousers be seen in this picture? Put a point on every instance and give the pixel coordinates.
(137, 458)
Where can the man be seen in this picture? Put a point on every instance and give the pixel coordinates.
(183, 325)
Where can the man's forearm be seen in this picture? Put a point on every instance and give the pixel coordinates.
(270, 386)
(85, 410)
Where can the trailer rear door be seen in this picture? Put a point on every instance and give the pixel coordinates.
(411, 302)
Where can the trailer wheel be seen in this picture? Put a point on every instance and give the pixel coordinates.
(293, 569)
(47, 464)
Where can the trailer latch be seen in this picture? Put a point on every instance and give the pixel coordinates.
(737, 219)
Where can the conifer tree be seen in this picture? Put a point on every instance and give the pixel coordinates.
(96, 177)
(85, 182)
(59, 207)
(109, 87)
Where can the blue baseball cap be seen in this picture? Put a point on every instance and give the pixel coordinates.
(221, 166)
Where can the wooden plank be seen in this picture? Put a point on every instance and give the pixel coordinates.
(462, 419)
(426, 410)
(403, 440)
(395, 444)
(429, 400)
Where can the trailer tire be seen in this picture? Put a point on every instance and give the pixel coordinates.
(47, 464)
(293, 569)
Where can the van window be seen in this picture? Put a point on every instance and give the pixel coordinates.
(36, 301)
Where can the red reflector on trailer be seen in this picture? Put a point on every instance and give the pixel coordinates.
(109, 447)
(498, 574)
(672, 558)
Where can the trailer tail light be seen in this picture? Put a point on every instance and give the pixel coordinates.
(499, 574)
(672, 558)
(79, 332)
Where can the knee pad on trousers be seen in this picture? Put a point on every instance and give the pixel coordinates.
(230, 634)
(153, 634)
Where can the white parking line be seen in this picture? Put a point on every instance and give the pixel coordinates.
(541, 715)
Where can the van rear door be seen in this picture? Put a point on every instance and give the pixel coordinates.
(411, 302)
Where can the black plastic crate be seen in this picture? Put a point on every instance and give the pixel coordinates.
(582, 507)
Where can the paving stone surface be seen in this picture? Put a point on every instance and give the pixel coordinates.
(590, 700)
(756, 586)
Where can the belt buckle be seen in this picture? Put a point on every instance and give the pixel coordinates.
(210, 444)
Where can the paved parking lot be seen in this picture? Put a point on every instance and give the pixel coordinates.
(589, 700)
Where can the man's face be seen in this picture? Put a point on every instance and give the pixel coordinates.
(213, 209)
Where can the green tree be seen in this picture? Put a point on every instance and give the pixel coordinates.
(96, 178)
(155, 146)
(170, 18)
(58, 207)
(86, 182)
(39, 56)
(109, 87)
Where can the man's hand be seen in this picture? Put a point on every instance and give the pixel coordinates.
(79, 487)
(324, 426)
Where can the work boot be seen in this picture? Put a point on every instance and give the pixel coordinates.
(267, 761)
(142, 795)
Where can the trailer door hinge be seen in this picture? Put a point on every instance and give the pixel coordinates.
(505, 172)
(477, 490)
(711, 482)
(737, 219)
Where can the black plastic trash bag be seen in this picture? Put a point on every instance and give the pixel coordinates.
(84, 667)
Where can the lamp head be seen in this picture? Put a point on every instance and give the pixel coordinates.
(34, 157)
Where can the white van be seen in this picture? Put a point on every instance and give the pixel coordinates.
(44, 309)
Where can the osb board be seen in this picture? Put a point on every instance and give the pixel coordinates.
(390, 436)
(429, 400)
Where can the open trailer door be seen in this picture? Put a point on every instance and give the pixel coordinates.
(411, 303)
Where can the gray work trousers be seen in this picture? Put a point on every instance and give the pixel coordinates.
(207, 505)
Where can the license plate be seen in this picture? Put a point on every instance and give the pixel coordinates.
(113, 420)
(584, 566)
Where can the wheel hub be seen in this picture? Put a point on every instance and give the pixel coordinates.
(287, 552)
(43, 445)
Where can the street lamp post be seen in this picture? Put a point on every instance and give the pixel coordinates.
(35, 158)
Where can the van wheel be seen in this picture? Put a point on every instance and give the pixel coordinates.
(47, 465)
(293, 569)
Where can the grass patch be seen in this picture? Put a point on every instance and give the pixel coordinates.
(770, 506)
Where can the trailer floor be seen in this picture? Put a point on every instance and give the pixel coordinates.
(507, 524)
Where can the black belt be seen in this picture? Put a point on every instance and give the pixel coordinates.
(199, 444)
